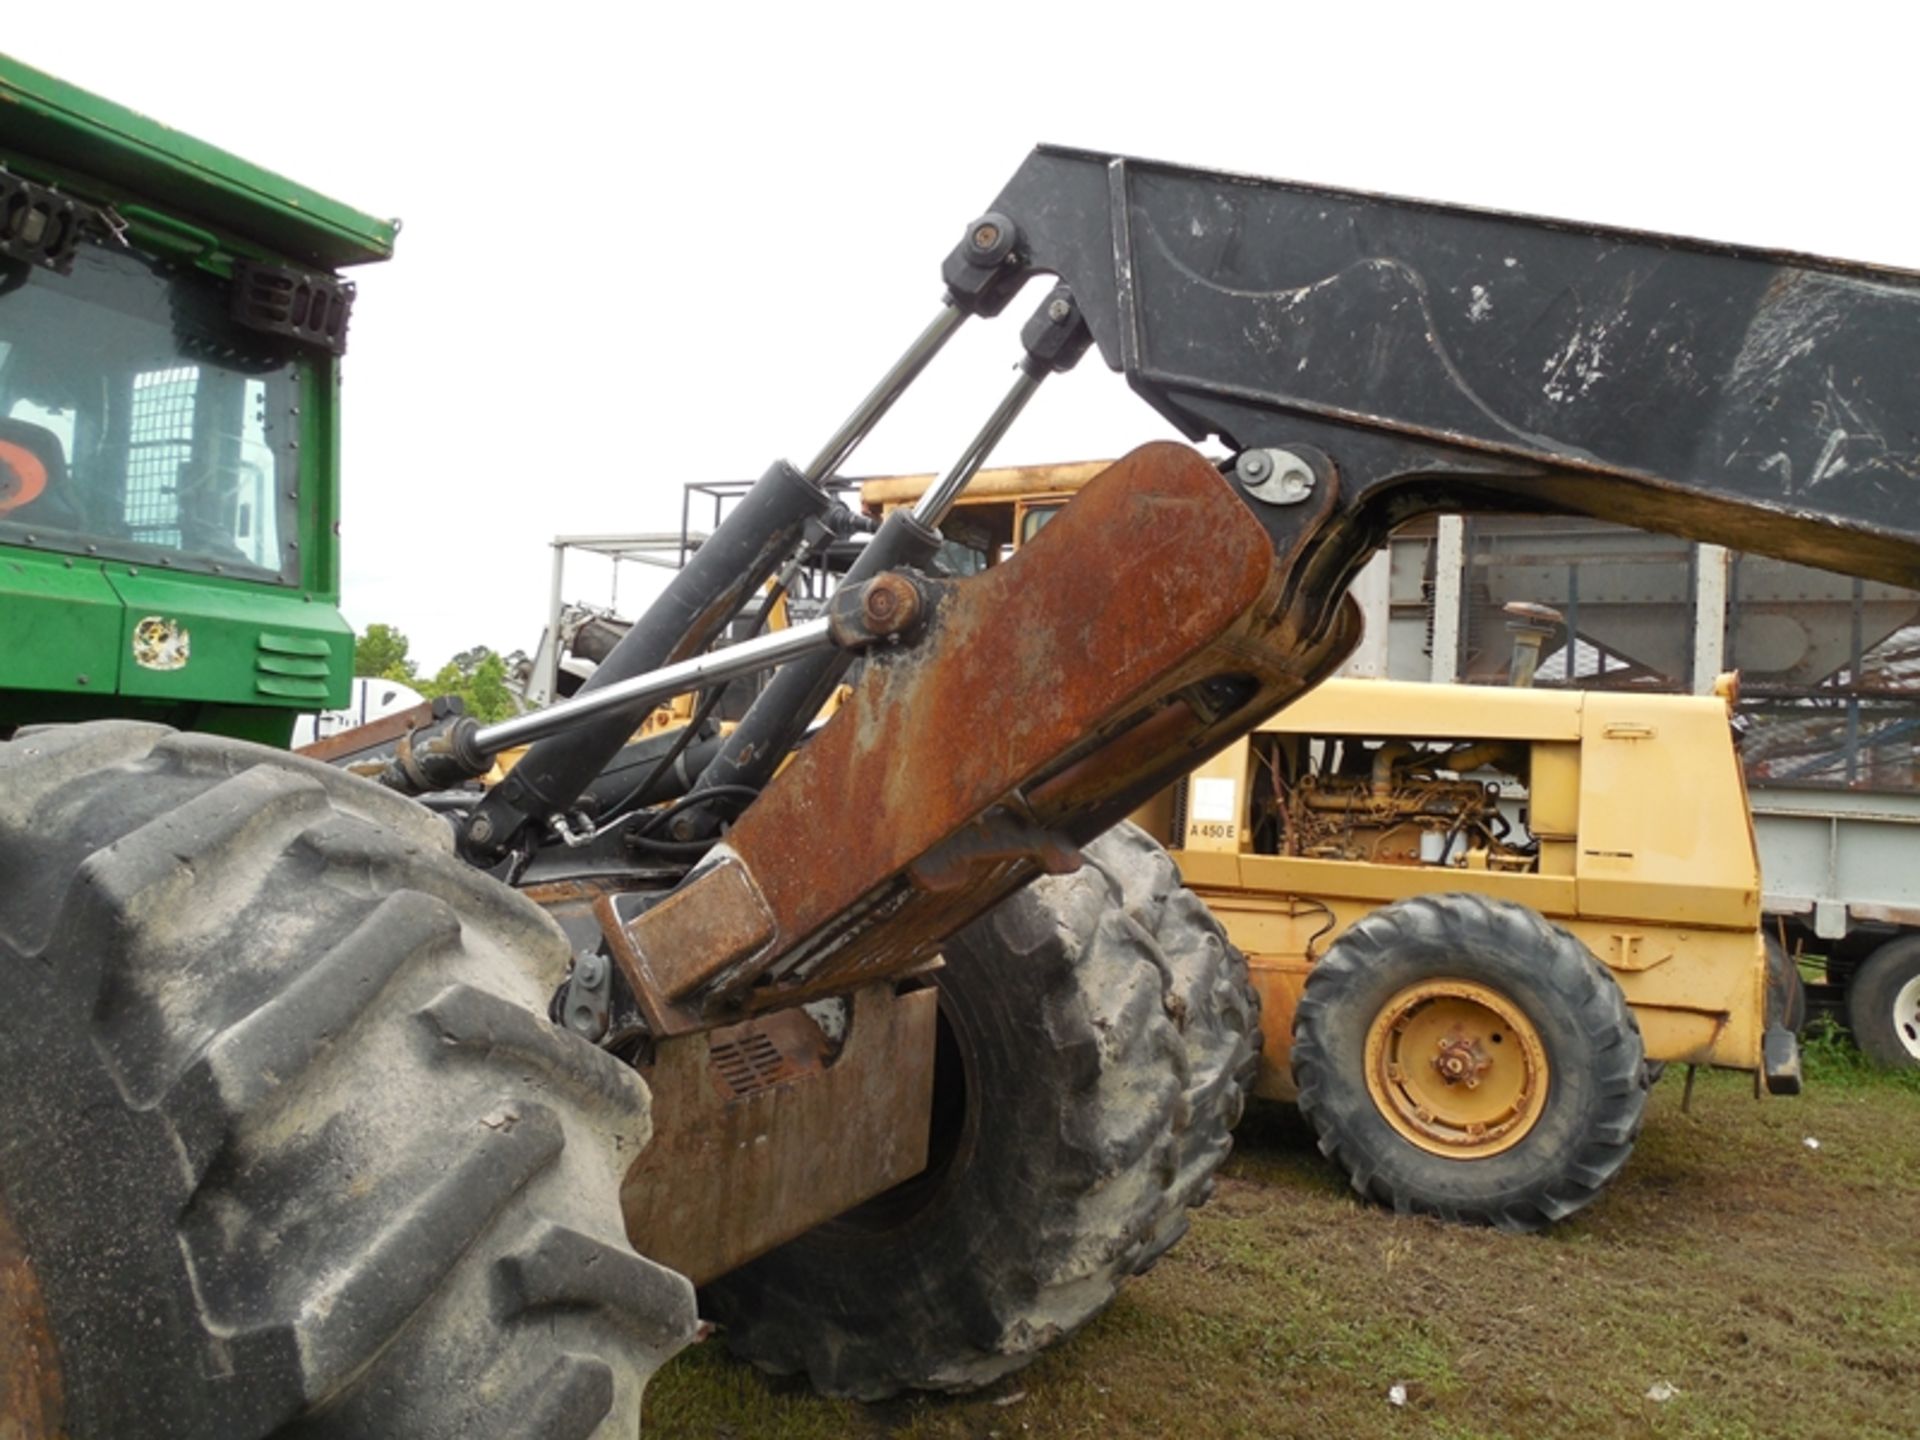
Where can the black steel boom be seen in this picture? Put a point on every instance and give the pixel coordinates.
(1448, 358)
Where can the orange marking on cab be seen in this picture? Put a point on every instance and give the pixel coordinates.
(23, 475)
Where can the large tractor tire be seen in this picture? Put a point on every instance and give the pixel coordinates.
(1883, 1003)
(1097, 1039)
(287, 1147)
(1461, 1057)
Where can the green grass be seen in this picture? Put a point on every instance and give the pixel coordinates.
(1776, 1286)
(1833, 1061)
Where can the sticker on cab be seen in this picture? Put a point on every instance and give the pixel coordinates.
(160, 644)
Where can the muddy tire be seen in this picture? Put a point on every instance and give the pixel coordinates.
(1423, 995)
(1098, 1037)
(1883, 1003)
(286, 1145)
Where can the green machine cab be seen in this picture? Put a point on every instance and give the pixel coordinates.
(171, 325)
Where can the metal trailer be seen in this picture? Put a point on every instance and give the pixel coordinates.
(1840, 862)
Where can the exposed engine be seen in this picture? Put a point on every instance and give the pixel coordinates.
(1394, 803)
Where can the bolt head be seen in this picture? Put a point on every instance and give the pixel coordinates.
(1278, 477)
(985, 237)
(1059, 312)
(890, 604)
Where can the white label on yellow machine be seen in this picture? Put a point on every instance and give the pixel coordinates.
(1213, 798)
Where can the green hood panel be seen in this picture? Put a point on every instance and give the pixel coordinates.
(184, 639)
(59, 625)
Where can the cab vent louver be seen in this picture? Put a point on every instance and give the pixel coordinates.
(293, 667)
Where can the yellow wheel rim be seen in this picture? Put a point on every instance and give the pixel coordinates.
(1456, 1068)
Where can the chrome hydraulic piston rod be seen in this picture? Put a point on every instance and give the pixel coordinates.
(716, 667)
(880, 399)
(890, 609)
(1054, 339)
(458, 748)
(932, 507)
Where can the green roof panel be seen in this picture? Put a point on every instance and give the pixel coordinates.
(48, 119)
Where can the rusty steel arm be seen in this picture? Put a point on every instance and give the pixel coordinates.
(1447, 358)
(1041, 703)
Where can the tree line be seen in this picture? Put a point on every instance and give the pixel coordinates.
(478, 676)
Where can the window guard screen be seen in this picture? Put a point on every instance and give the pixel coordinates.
(152, 428)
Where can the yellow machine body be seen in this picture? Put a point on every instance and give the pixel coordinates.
(1643, 848)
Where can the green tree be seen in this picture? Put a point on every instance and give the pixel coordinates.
(479, 677)
(380, 652)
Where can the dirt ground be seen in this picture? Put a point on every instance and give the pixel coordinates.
(1764, 1284)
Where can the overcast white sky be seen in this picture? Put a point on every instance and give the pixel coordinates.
(652, 244)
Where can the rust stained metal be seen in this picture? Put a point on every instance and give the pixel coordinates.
(32, 1391)
(374, 736)
(590, 912)
(750, 1154)
(558, 894)
(664, 1015)
(1086, 781)
(598, 911)
(996, 837)
(1888, 914)
(1041, 697)
(891, 604)
(773, 1050)
(683, 935)
(1022, 664)
(587, 910)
